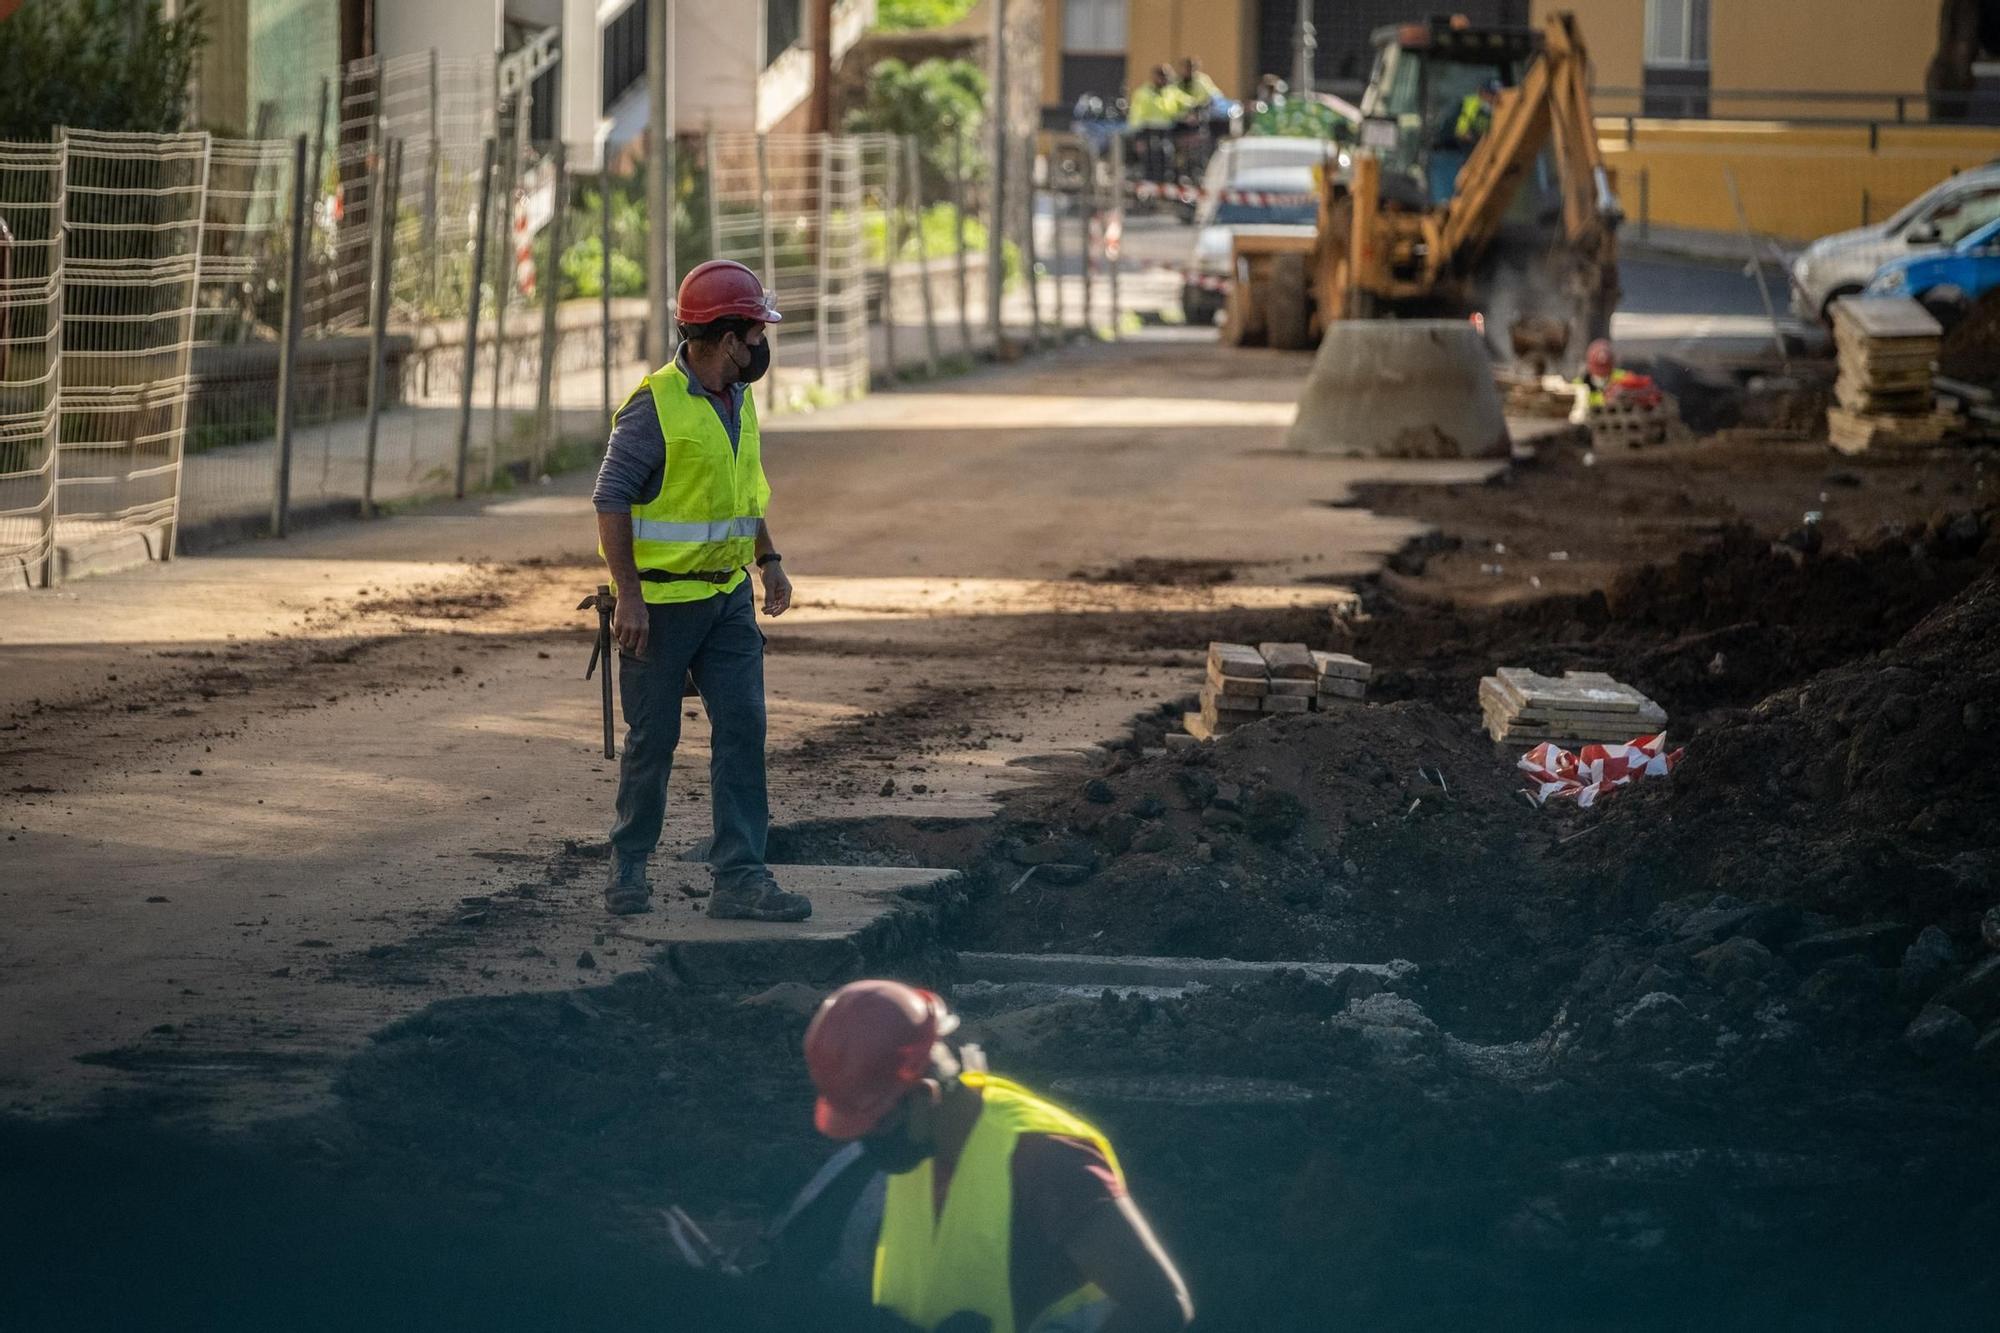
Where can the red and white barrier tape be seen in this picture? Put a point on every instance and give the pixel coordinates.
(1189, 194)
(1594, 770)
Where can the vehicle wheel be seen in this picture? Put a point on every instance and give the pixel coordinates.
(1826, 306)
(1947, 305)
(1286, 313)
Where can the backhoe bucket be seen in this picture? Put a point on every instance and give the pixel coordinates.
(1418, 388)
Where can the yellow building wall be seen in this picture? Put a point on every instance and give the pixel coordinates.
(1615, 33)
(1822, 45)
(1797, 182)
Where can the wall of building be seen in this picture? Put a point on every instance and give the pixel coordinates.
(1615, 33)
(1797, 182)
(718, 56)
(1219, 33)
(455, 28)
(1822, 45)
(1758, 45)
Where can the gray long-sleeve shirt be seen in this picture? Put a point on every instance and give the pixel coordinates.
(636, 457)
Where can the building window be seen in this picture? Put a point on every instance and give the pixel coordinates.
(1094, 26)
(1677, 33)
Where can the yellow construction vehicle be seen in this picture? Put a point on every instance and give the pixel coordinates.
(1477, 189)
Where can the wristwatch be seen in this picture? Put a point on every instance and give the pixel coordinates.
(768, 558)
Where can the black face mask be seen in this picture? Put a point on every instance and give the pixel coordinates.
(895, 1154)
(749, 372)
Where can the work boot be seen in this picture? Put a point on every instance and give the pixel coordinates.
(626, 892)
(760, 900)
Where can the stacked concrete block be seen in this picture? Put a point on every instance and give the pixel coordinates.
(1244, 684)
(1522, 707)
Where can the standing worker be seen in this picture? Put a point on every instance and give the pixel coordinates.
(680, 517)
(1002, 1211)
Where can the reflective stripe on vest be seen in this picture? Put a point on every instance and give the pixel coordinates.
(929, 1265)
(711, 496)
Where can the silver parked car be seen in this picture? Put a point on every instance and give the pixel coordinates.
(1841, 264)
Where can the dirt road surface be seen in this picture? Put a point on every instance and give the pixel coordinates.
(261, 803)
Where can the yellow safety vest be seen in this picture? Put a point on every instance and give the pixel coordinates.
(1153, 108)
(931, 1265)
(1474, 117)
(711, 497)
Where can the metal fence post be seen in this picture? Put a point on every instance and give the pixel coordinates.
(390, 165)
(822, 287)
(548, 280)
(769, 246)
(996, 207)
(604, 284)
(714, 179)
(480, 235)
(958, 232)
(1056, 201)
(914, 163)
(1116, 224)
(1645, 203)
(1088, 209)
(288, 352)
(432, 166)
(318, 178)
(503, 288)
(1031, 265)
(890, 239)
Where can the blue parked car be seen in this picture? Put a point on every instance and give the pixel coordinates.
(1946, 282)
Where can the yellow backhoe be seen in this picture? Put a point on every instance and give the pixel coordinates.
(1477, 188)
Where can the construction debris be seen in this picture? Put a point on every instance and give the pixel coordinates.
(1519, 705)
(1245, 684)
(1888, 350)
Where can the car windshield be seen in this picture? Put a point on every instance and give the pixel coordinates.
(1303, 213)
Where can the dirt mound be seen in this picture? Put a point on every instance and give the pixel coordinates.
(1865, 790)
(1971, 351)
(1716, 628)
(1383, 830)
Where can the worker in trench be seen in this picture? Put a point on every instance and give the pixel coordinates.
(680, 502)
(963, 1203)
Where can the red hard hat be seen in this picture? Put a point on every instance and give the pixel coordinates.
(720, 288)
(868, 1045)
(1599, 357)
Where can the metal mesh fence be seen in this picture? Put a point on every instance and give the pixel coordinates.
(133, 212)
(30, 342)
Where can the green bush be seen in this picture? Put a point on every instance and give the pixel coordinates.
(940, 239)
(909, 15)
(97, 65)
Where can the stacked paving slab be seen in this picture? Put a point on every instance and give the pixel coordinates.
(1523, 708)
(1245, 684)
(1888, 349)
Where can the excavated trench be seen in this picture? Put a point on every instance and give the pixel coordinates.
(1643, 1067)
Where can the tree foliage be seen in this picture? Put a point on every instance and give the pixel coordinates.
(98, 65)
(909, 15)
(932, 101)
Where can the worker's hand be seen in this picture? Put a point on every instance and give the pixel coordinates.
(629, 625)
(777, 589)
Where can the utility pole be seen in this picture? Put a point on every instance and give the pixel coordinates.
(821, 121)
(660, 180)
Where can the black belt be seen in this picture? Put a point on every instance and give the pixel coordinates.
(697, 576)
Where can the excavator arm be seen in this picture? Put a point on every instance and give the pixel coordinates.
(1551, 102)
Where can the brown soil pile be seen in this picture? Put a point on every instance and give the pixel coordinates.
(1324, 836)
(1864, 791)
(1971, 351)
(1715, 629)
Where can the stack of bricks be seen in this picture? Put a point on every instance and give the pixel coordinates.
(1245, 684)
(1521, 707)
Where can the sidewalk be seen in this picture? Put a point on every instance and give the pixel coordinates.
(227, 493)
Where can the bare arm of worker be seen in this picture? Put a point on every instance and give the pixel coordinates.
(1117, 1251)
(628, 620)
(777, 587)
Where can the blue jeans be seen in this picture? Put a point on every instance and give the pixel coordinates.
(718, 640)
